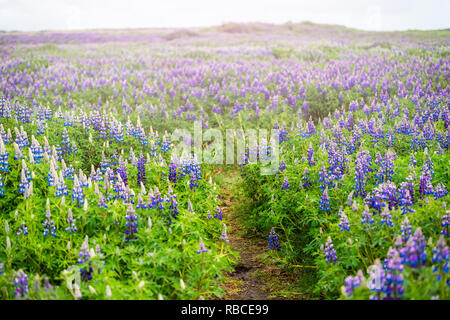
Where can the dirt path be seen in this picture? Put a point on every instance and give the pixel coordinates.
(246, 283)
(254, 276)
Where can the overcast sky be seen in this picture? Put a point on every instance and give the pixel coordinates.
(93, 14)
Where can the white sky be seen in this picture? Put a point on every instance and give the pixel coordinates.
(93, 14)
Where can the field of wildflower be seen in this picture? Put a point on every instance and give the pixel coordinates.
(93, 204)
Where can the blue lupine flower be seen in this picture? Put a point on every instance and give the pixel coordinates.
(445, 223)
(141, 170)
(282, 165)
(131, 224)
(440, 258)
(310, 154)
(202, 247)
(71, 221)
(285, 185)
(367, 216)
(219, 213)
(273, 240)
(386, 217)
(393, 287)
(440, 191)
(21, 283)
(325, 201)
(2, 185)
(49, 225)
(77, 192)
(343, 224)
(23, 230)
(330, 253)
(353, 282)
(4, 163)
(414, 252)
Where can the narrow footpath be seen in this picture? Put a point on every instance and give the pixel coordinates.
(252, 277)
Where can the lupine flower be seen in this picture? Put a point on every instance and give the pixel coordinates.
(2, 185)
(71, 221)
(367, 216)
(349, 198)
(386, 217)
(273, 240)
(131, 224)
(285, 185)
(414, 253)
(202, 247)
(49, 225)
(353, 282)
(21, 283)
(4, 163)
(23, 229)
(394, 279)
(440, 191)
(224, 235)
(282, 166)
(330, 253)
(406, 202)
(324, 201)
(77, 192)
(386, 166)
(343, 224)
(441, 259)
(406, 230)
(219, 213)
(310, 154)
(141, 169)
(305, 178)
(173, 173)
(445, 223)
(85, 259)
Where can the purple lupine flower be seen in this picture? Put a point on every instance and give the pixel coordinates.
(330, 253)
(202, 247)
(305, 178)
(367, 216)
(21, 283)
(394, 278)
(406, 201)
(173, 172)
(349, 198)
(85, 259)
(2, 185)
(219, 213)
(141, 169)
(406, 230)
(440, 191)
(386, 166)
(4, 163)
(77, 192)
(285, 185)
(324, 201)
(441, 258)
(323, 178)
(71, 221)
(414, 253)
(343, 224)
(49, 225)
(310, 154)
(282, 166)
(386, 217)
(122, 171)
(130, 224)
(445, 223)
(353, 282)
(273, 240)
